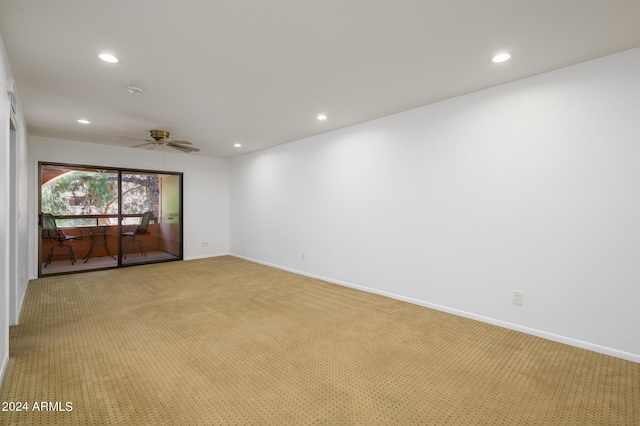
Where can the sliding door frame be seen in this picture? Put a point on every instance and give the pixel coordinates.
(120, 171)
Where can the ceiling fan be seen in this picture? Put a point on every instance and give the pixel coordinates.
(161, 138)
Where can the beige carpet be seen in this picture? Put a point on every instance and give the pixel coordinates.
(225, 341)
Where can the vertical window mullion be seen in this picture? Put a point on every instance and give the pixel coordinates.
(119, 217)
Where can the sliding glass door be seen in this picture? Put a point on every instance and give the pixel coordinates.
(170, 214)
(95, 218)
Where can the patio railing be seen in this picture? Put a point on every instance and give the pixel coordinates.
(70, 221)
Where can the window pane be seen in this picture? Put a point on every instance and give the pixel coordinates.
(78, 192)
(139, 194)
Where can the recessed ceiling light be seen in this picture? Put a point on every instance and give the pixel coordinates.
(501, 58)
(237, 145)
(321, 117)
(108, 58)
(83, 121)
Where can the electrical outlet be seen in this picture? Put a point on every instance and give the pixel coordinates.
(205, 244)
(517, 297)
(303, 256)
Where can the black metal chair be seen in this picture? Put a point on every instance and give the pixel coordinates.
(50, 231)
(140, 229)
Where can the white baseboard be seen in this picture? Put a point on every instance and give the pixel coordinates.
(206, 256)
(22, 299)
(504, 324)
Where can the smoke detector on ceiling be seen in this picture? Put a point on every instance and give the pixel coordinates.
(135, 90)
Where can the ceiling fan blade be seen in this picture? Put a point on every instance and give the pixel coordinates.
(179, 148)
(183, 148)
(180, 142)
(143, 144)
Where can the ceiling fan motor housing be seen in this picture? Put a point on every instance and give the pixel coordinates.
(159, 134)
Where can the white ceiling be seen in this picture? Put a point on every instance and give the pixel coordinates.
(257, 72)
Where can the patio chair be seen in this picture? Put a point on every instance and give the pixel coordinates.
(50, 231)
(140, 229)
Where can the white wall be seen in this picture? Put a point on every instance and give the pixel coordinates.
(13, 211)
(530, 186)
(4, 216)
(205, 187)
(18, 216)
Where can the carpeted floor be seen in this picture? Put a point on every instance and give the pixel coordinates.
(226, 341)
